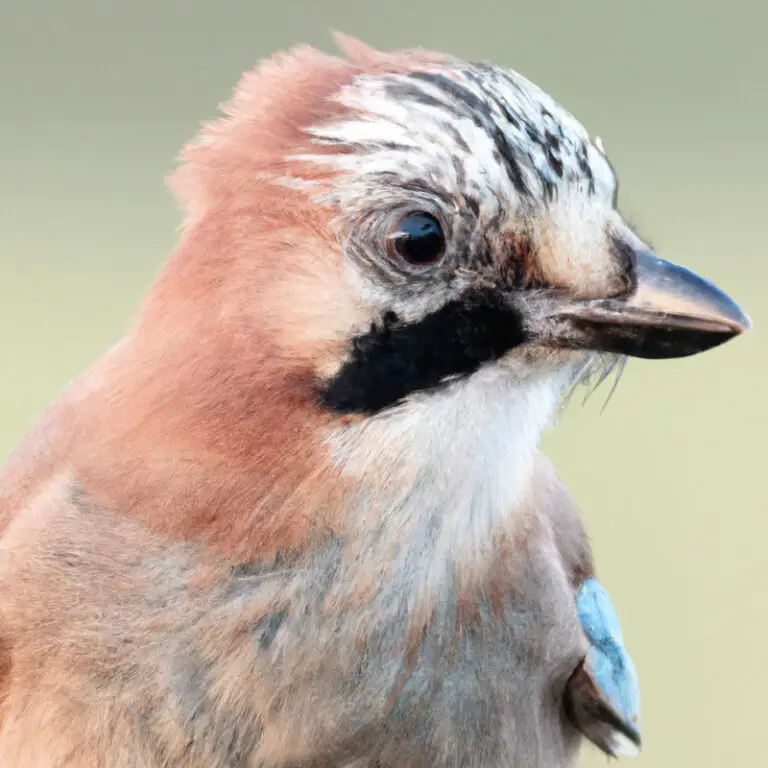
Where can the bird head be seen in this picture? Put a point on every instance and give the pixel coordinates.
(480, 228)
(433, 218)
(392, 268)
(407, 259)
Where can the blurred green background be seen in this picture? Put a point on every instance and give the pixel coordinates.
(98, 96)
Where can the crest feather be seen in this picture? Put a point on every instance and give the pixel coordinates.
(356, 50)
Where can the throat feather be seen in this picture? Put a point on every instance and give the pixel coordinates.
(438, 478)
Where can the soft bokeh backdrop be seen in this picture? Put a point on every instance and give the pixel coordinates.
(98, 97)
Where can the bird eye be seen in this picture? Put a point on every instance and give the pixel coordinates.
(418, 240)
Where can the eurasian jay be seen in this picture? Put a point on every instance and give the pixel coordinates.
(298, 515)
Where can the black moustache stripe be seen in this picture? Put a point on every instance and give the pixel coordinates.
(394, 359)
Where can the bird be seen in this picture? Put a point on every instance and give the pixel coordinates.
(298, 515)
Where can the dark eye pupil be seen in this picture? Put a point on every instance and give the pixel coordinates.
(419, 239)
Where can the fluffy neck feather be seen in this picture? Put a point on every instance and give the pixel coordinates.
(449, 469)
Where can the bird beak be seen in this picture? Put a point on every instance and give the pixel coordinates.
(671, 312)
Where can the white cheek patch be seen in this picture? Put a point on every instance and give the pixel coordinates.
(450, 467)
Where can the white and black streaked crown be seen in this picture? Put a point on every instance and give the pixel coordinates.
(473, 130)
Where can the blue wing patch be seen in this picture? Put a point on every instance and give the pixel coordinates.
(608, 661)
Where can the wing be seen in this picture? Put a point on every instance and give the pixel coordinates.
(602, 696)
